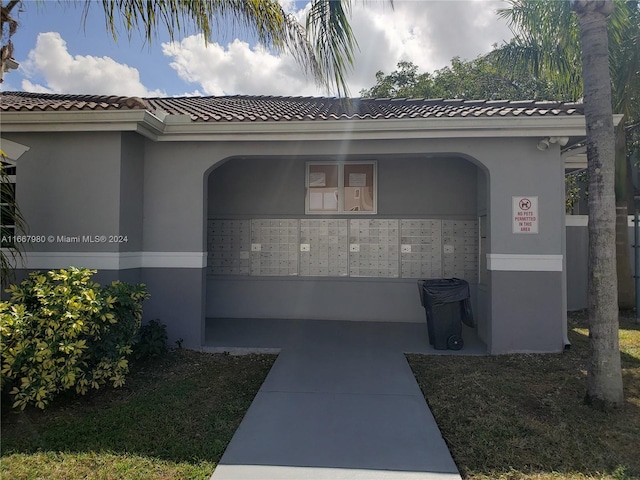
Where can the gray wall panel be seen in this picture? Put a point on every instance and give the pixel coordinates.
(526, 312)
(577, 267)
(482, 312)
(532, 173)
(317, 298)
(131, 192)
(68, 185)
(257, 186)
(175, 195)
(444, 187)
(177, 300)
(441, 187)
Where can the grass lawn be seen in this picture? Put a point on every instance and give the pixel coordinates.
(509, 417)
(522, 416)
(172, 420)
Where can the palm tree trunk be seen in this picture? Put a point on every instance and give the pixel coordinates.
(604, 376)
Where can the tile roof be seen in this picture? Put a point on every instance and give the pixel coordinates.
(243, 108)
(25, 101)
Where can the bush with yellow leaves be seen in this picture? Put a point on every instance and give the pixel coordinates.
(62, 331)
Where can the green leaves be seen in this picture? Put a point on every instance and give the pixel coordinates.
(151, 340)
(481, 79)
(547, 45)
(62, 331)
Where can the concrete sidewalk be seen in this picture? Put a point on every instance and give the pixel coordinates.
(339, 403)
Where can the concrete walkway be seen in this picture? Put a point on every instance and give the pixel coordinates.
(339, 403)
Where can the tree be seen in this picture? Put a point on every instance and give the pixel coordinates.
(483, 78)
(323, 47)
(405, 82)
(604, 375)
(546, 45)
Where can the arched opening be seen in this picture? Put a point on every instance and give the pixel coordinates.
(270, 258)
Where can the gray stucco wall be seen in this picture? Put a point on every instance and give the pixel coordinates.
(68, 185)
(526, 310)
(131, 192)
(177, 300)
(245, 187)
(427, 187)
(92, 183)
(519, 169)
(420, 187)
(578, 263)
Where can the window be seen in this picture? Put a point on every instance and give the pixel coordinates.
(7, 203)
(341, 188)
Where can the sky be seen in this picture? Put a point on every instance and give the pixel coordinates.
(58, 54)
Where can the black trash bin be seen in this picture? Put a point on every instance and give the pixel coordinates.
(447, 305)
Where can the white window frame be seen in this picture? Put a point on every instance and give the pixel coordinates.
(341, 188)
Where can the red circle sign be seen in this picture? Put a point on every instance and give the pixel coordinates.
(525, 204)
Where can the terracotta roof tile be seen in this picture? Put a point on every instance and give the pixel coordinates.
(243, 108)
(16, 101)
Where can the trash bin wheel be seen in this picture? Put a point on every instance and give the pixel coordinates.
(455, 342)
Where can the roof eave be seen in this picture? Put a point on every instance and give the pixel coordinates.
(165, 129)
(377, 129)
(140, 121)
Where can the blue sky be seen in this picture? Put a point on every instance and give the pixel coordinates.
(58, 55)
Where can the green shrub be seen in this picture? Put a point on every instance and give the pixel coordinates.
(62, 331)
(151, 340)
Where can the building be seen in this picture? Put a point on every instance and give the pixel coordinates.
(310, 208)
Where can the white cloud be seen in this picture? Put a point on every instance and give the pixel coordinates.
(64, 73)
(28, 86)
(236, 69)
(427, 32)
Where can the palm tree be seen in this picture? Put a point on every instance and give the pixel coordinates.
(323, 47)
(604, 375)
(546, 45)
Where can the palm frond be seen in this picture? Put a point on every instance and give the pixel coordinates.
(11, 252)
(333, 39)
(624, 59)
(547, 44)
(324, 49)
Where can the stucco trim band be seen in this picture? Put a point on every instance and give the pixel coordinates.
(583, 221)
(112, 260)
(524, 263)
(577, 220)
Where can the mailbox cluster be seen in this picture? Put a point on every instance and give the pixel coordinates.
(384, 248)
(324, 249)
